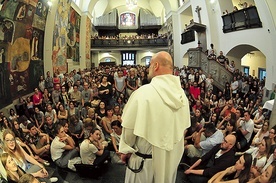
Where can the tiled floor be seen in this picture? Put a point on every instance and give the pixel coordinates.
(114, 174)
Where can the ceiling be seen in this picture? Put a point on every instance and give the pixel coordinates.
(99, 7)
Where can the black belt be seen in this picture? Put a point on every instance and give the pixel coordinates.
(143, 156)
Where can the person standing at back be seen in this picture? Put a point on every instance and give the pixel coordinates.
(154, 121)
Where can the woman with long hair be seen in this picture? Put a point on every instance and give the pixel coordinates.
(51, 112)
(100, 112)
(76, 129)
(131, 82)
(230, 127)
(17, 130)
(13, 115)
(263, 132)
(62, 147)
(259, 156)
(107, 120)
(121, 102)
(227, 91)
(268, 176)
(213, 119)
(239, 173)
(37, 99)
(22, 159)
(105, 90)
(46, 99)
(41, 83)
(13, 171)
(120, 83)
(91, 149)
(62, 113)
(72, 110)
(6, 124)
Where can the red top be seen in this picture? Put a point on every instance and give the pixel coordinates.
(37, 98)
(195, 91)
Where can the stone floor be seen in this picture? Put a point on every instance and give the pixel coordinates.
(114, 174)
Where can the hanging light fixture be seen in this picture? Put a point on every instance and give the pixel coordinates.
(131, 4)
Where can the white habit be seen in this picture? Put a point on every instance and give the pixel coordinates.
(154, 120)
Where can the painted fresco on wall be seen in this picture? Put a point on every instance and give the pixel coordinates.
(40, 15)
(24, 13)
(37, 43)
(22, 24)
(6, 30)
(5, 97)
(170, 37)
(59, 54)
(19, 55)
(73, 38)
(8, 9)
(88, 38)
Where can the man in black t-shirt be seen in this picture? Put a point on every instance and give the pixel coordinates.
(221, 58)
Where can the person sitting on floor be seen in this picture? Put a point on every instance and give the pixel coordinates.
(91, 149)
(268, 176)
(245, 130)
(13, 171)
(26, 162)
(39, 142)
(201, 147)
(116, 136)
(62, 148)
(239, 173)
(217, 159)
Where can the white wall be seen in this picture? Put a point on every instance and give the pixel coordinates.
(261, 38)
(255, 60)
(185, 19)
(271, 6)
(142, 54)
(115, 56)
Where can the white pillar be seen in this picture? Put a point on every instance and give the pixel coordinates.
(85, 40)
(48, 38)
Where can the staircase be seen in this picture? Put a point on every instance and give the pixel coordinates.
(198, 59)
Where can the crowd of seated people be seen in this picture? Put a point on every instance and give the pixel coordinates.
(80, 116)
(238, 114)
(67, 116)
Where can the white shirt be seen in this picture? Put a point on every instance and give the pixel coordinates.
(248, 126)
(87, 152)
(57, 148)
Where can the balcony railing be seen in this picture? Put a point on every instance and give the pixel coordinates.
(154, 42)
(242, 19)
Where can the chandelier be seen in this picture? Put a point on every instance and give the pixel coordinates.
(131, 3)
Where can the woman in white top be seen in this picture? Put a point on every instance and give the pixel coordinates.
(62, 148)
(259, 156)
(116, 135)
(120, 83)
(263, 132)
(91, 149)
(268, 176)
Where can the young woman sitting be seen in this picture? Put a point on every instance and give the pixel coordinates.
(91, 149)
(268, 176)
(239, 173)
